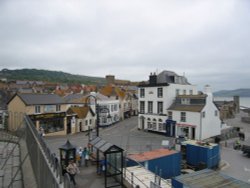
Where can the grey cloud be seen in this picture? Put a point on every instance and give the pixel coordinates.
(208, 40)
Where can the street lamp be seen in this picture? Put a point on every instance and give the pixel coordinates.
(98, 110)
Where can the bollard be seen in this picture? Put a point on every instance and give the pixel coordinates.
(225, 143)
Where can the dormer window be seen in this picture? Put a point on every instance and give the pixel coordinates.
(185, 101)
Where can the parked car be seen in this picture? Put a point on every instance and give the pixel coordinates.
(246, 147)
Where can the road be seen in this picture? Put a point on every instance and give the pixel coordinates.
(125, 135)
(239, 165)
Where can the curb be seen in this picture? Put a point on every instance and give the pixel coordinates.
(224, 165)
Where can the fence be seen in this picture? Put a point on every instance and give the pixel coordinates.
(48, 172)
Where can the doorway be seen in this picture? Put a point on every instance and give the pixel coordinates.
(80, 126)
(69, 125)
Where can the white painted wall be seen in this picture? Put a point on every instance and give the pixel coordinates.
(211, 124)
(192, 118)
(206, 127)
(169, 94)
(115, 114)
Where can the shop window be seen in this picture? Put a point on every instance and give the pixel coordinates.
(52, 125)
(154, 124)
(160, 124)
(149, 123)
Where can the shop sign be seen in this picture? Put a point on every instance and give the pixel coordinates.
(47, 116)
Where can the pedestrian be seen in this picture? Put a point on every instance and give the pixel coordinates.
(103, 165)
(79, 155)
(85, 155)
(72, 170)
(41, 131)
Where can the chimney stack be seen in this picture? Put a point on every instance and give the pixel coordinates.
(153, 79)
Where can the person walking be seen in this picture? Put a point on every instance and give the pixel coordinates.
(72, 170)
(85, 155)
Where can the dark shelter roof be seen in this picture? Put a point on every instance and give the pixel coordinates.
(67, 146)
(105, 146)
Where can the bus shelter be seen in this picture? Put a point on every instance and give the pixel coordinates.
(109, 161)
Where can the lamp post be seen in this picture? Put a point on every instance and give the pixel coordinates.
(98, 110)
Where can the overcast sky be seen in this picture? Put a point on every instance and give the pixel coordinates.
(207, 40)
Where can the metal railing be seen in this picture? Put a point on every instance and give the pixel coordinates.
(46, 167)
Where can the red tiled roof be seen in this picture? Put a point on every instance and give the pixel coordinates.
(149, 155)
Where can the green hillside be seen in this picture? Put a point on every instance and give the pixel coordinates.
(50, 76)
(231, 93)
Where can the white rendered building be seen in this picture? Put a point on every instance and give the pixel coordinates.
(157, 95)
(110, 103)
(195, 116)
(170, 105)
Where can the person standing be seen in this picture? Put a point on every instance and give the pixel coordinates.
(79, 155)
(41, 131)
(85, 155)
(72, 170)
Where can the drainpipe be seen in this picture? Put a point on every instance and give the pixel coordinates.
(200, 125)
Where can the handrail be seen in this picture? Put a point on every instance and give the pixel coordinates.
(50, 158)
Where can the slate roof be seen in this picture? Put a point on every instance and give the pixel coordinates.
(167, 77)
(40, 99)
(177, 106)
(188, 108)
(73, 97)
(149, 155)
(193, 96)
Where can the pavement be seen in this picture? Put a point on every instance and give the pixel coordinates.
(89, 178)
(10, 173)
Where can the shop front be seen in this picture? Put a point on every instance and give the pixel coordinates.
(186, 130)
(52, 123)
